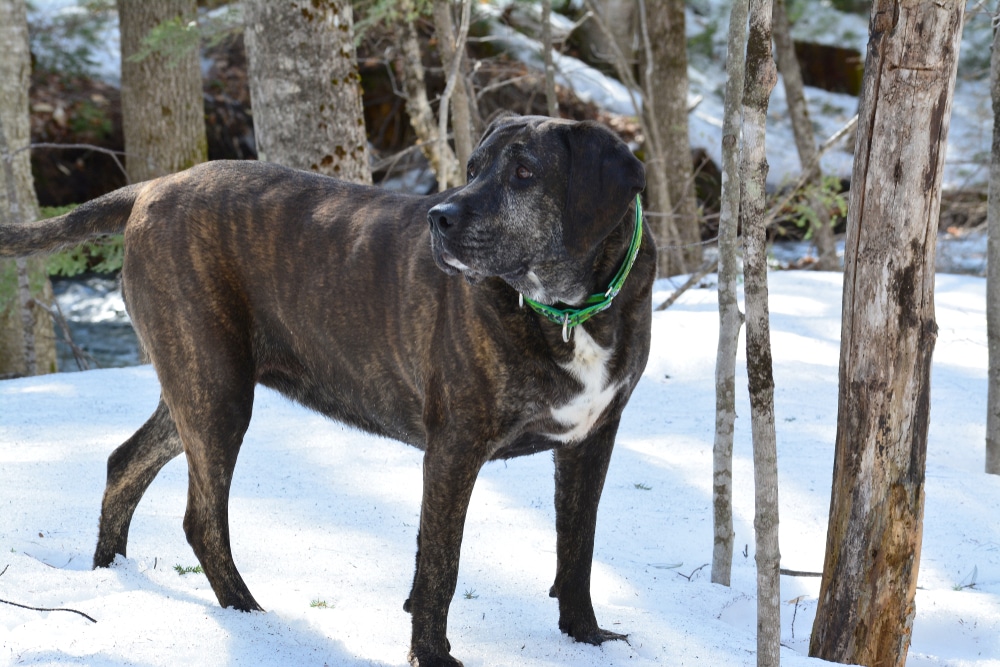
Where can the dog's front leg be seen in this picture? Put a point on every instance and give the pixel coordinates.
(449, 475)
(580, 472)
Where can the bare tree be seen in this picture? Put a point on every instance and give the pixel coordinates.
(665, 90)
(730, 317)
(305, 89)
(418, 107)
(788, 64)
(451, 45)
(551, 101)
(613, 34)
(993, 270)
(662, 225)
(27, 343)
(866, 601)
(163, 115)
(761, 77)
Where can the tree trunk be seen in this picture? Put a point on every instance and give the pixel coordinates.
(761, 77)
(452, 49)
(418, 107)
(993, 272)
(666, 89)
(866, 601)
(669, 259)
(27, 343)
(805, 142)
(163, 116)
(605, 45)
(551, 101)
(730, 317)
(305, 89)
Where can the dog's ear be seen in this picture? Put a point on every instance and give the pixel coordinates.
(604, 178)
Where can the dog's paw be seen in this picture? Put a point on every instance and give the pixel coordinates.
(422, 659)
(598, 636)
(590, 633)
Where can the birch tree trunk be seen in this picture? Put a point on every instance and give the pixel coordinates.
(993, 272)
(665, 89)
(27, 343)
(805, 142)
(760, 79)
(456, 95)
(418, 107)
(730, 317)
(305, 89)
(163, 111)
(866, 601)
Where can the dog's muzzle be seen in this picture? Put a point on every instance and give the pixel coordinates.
(443, 220)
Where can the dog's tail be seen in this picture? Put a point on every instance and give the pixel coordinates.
(98, 217)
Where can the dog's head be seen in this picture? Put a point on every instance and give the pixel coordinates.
(542, 195)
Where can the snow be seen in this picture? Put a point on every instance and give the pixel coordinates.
(320, 512)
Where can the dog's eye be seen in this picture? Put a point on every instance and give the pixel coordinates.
(470, 173)
(523, 172)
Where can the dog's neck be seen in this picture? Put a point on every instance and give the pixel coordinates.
(613, 252)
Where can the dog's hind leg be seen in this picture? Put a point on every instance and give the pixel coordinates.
(131, 469)
(211, 399)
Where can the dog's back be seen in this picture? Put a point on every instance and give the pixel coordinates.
(275, 271)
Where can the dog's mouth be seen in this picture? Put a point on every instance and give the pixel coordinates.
(452, 265)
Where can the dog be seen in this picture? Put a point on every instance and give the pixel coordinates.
(502, 318)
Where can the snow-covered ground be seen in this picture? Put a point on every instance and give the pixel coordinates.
(324, 519)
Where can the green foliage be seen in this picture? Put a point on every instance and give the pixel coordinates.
(187, 569)
(702, 44)
(102, 256)
(471, 594)
(320, 604)
(173, 39)
(819, 204)
(642, 487)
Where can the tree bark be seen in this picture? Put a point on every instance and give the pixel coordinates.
(805, 142)
(866, 601)
(665, 89)
(27, 342)
(761, 77)
(993, 272)
(418, 107)
(163, 116)
(613, 35)
(305, 89)
(730, 317)
(551, 101)
(452, 50)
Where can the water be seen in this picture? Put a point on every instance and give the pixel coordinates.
(98, 323)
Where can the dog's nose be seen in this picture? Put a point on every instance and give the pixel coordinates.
(443, 217)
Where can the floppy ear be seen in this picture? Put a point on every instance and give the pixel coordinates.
(604, 178)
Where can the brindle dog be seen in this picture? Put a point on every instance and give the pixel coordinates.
(347, 299)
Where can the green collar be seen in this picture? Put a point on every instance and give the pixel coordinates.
(595, 303)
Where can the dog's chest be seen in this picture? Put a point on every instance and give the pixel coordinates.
(589, 366)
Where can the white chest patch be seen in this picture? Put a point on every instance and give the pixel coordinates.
(590, 367)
